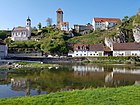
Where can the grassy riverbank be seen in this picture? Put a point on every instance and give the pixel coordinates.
(103, 96)
(29, 65)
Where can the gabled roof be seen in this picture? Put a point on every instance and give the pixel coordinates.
(89, 47)
(65, 23)
(107, 20)
(20, 29)
(59, 10)
(126, 46)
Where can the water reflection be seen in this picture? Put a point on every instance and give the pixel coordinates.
(67, 77)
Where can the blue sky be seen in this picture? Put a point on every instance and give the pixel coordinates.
(15, 12)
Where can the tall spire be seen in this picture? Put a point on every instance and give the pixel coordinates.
(28, 19)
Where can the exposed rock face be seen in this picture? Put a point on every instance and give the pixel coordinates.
(119, 38)
(136, 33)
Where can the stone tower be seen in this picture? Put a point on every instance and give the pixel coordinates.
(28, 26)
(59, 17)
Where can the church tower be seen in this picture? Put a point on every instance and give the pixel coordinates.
(28, 26)
(59, 17)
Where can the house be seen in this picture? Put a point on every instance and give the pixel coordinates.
(3, 50)
(87, 50)
(126, 49)
(64, 26)
(22, 33)
(83, 29)
(104, 23)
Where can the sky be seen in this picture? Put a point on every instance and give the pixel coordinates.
(14, 13)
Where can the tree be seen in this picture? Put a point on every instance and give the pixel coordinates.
(125, 18)
(49, 22)
(39, 26)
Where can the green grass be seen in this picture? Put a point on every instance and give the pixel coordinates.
(36, 64)
(103, 96)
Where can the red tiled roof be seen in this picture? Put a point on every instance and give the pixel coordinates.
(59, 10)
(20, 29)
(126, 46)
(65, 23)
(107, 20)
(90, 47)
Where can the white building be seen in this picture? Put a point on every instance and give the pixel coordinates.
(64, 26)
(104, 23)
(22, 33)
(87, 50)
(126, 49)
(3, 50)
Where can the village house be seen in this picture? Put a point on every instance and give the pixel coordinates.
(22, 33)
(104, 23)
(126, 49)
(3, 50)
(83, 29)
(87, 50)
(64, 26)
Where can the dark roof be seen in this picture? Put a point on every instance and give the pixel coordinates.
(89, 47)
(126, 46)
(28, 19)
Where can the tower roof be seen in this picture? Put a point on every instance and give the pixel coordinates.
(28, 19)
(59, 10)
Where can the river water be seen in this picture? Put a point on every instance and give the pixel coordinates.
(65, 78)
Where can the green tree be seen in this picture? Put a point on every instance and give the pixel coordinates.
(39, 25)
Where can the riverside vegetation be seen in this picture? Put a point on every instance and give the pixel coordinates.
(104, 96)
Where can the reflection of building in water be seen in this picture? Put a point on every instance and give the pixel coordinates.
(109, 77)
(3, 76)
(137, 82)
(20, 84)
(125, 70)
(118, 76)
(88, 68)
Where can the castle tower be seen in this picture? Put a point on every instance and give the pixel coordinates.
(59, 17)
(28, 26)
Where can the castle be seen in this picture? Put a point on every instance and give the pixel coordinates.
(60, 24)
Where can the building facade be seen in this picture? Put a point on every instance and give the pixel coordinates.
(65, 26)
(22, 33)
(126, 49)
(104, 23)
(83, 29)
(3, 50)
(87, 50)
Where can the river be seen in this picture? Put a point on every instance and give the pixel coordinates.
(65, 78)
